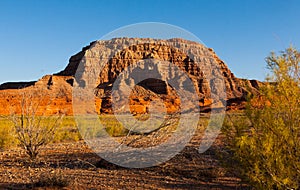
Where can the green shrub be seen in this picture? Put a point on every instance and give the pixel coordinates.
(267, 153)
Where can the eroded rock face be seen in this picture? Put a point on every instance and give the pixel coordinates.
(100, 63)
(53, 93)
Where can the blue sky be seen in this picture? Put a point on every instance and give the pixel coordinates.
(38, 37)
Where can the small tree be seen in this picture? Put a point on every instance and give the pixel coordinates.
(34, 127)
(268, 152)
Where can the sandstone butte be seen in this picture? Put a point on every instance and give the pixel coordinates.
(58, 87)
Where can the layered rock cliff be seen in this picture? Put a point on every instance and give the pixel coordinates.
(102, 62)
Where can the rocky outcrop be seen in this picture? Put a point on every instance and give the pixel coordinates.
(16, 85)
(53, 93)
(205, 70)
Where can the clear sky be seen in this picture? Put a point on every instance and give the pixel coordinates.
(38, 37)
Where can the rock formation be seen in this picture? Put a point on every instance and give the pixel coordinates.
(204, 70)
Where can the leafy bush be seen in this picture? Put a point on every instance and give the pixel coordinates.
(267, 153)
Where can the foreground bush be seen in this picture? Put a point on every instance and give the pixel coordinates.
(33, 127)
(267, 153)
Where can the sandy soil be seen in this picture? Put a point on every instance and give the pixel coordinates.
(75, 166)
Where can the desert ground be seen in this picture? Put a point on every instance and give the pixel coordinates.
(73, 165)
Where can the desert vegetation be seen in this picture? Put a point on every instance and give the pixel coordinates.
(32, 127)
(266, 142)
